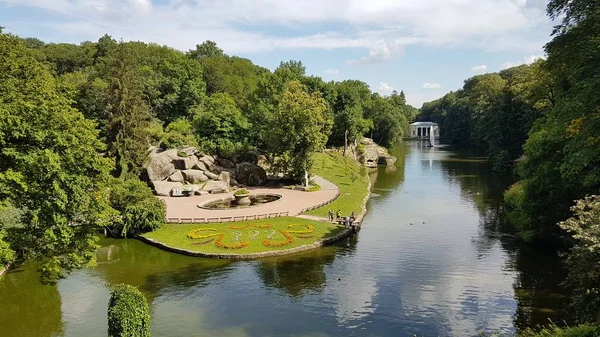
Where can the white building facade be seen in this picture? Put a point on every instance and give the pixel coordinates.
(422, 130)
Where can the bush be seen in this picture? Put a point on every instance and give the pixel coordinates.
(313, 188)
(144, 216)
(514, 199)
(241, 192)
(7, 255)
(140, 210)
(128, 313)
(555, 331)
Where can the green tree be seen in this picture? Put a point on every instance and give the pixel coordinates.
(350, 98)
(389, 122)
(206, 49)
(563, 148)
(51, 166)
(220, 126)
(299, 127)
(128, 313)
(178, 133)
(129, 116)
(584, 270)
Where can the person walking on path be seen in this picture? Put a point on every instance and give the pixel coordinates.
(338, 214)
(330, 215)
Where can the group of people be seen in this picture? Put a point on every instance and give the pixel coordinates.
(347, 220)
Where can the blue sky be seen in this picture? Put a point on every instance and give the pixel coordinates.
(424, 47)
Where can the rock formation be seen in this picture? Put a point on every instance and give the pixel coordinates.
(373, 154)
(174, 168)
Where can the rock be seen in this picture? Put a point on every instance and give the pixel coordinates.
(190, 151)
(249, 157)
(262, 161)
(185, 163)
(386, 160)
(216, 187)
(202, 193)
(194, 176)
(250, 174)
(200, 166)
(209, 162)
(211, 175)
(176, 177)
(233, 182)
(172, 154)
(225, 176)
(158, 167)
(367, 141)
(163, 188)
(226, 163)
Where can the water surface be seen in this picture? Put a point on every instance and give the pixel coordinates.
(433, 259)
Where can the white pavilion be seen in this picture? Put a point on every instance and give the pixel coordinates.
(422, 130)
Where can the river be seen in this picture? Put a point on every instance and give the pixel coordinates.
(434, 258)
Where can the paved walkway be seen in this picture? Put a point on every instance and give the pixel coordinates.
(293, 202)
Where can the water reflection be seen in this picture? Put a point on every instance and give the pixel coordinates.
(434, 258)
(28, 308)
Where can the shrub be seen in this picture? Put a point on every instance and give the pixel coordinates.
(144, 216)
(128, 313)
(514, 198)
(313, 188)
(7, 255)
(241, 191)
(140, 210)
(555, 331)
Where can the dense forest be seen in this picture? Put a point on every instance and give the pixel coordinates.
(76, 121)
(543, 120)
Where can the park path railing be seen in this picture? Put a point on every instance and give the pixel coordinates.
(304, 210)
(227, 218)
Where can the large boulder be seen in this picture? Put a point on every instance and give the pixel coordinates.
(163, 188)
(185, 163)
(250, 174)
(159, 167)
(200, 166)
(211, 175)
(226, 163)
(176, 177)
(194, 176)
(209, 162)
(214, 187)
(190, 151)
(225, 177)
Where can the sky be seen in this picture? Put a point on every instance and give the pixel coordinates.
(424, 47)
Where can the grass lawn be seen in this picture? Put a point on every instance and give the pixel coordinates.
(348, 175)
(249, 235)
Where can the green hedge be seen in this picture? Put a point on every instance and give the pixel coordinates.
(128, 313)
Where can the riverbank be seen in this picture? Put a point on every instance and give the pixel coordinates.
(4, 269)
(349, 176)
(272, 236)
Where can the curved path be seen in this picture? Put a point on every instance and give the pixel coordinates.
(292, 203)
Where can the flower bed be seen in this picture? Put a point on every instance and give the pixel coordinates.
(245, 237)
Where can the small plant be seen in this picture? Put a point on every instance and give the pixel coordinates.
(313, 188)
(182, 154)
(241, 191)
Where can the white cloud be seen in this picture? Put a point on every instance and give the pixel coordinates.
(332, 72)
(382, 28)
(384, 88)
(526, 60)
(480, 68)
(431, 86)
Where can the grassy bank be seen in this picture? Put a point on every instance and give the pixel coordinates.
(245, 237)
(348, 175)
